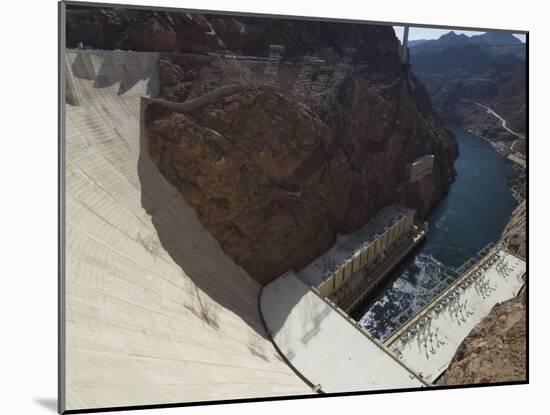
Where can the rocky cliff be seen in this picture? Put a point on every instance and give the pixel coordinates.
(139, 30)
(514, 236)
(277, 156)
(275, 170)
(458, 95)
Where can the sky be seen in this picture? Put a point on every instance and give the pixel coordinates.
(430, 33)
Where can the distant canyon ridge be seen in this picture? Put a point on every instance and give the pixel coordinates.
(466, 76)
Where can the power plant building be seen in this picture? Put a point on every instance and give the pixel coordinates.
(355, 251)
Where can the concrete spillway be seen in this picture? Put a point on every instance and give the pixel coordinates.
(155, 312)
(323, 343)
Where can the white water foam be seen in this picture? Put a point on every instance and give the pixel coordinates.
(416, 286)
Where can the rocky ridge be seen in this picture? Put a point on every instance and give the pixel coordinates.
(463, 72)
(273, 172)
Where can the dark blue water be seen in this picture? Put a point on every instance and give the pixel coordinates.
(473, 214)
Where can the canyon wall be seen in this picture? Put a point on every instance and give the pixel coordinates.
(490, 69)
(276, 171)
(308, 145)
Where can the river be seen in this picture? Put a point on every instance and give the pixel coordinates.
(472, 214)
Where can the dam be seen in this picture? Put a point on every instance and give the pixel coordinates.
(156, 313)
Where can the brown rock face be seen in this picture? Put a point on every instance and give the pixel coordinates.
(381, 125)
(156, 33)
(140, 30)
(274, 180)
(253, 35)
(304, 150)
(515, 234)
(495, 351)
(263, 173)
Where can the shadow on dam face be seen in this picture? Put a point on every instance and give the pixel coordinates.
(218, 281)
(155, 312)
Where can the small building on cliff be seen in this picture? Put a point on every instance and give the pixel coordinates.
(421, 167)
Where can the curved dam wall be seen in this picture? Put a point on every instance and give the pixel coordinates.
(155, 312)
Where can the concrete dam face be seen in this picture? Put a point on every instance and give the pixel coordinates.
(155, 312)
